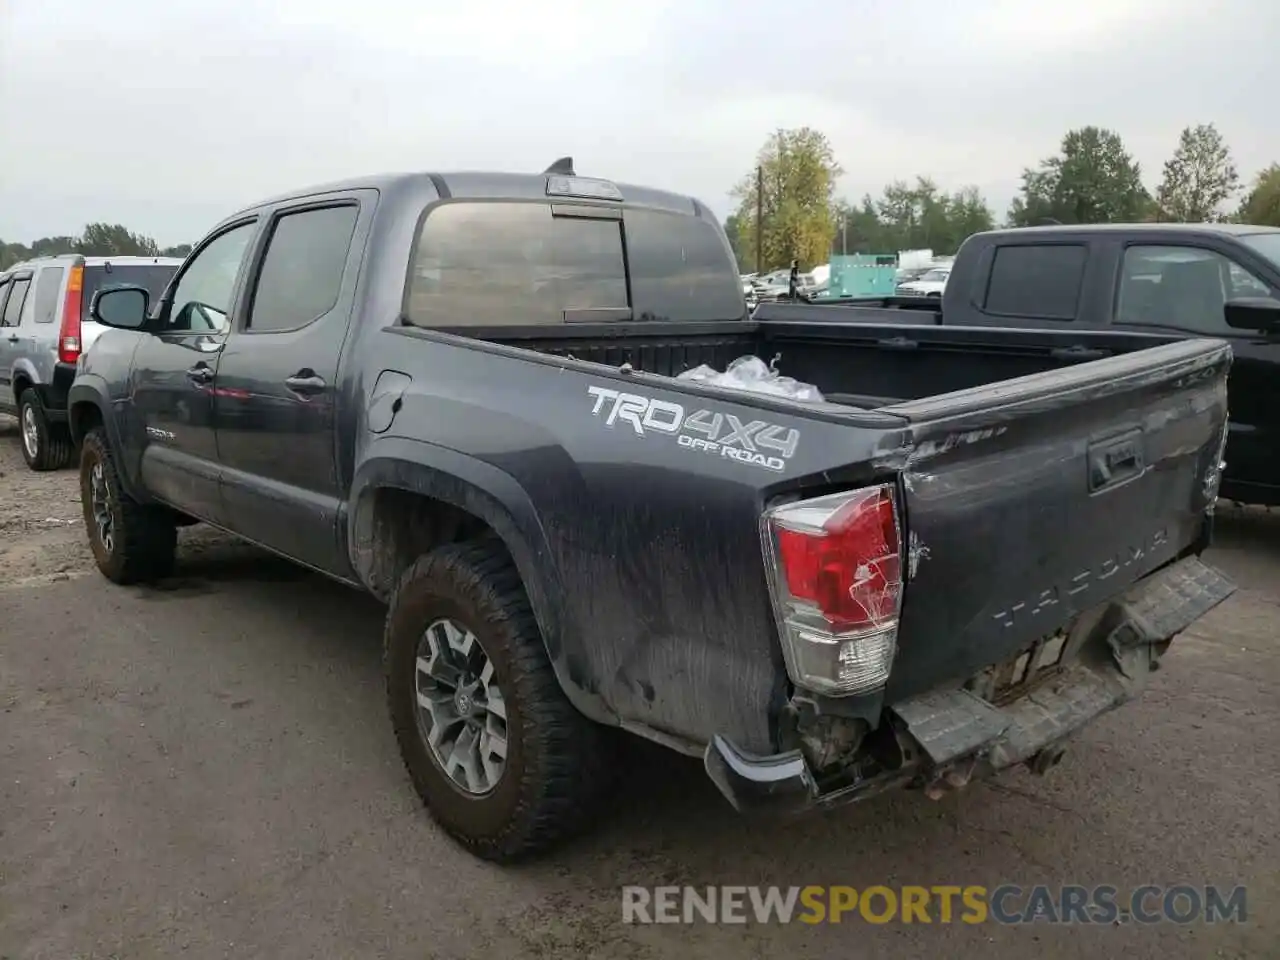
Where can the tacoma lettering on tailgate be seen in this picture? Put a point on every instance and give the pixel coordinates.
(1081, 581)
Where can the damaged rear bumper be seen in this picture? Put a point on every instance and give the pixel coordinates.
(954, 734)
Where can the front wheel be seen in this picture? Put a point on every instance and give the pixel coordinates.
(505, 764)
(131, 541)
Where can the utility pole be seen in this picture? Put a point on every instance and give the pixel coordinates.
(759, 220)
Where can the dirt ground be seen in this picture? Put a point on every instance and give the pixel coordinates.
(205, 768)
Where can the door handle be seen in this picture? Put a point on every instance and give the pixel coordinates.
(13, 339)
(1077, 352)
(200, 373)
(305, 384)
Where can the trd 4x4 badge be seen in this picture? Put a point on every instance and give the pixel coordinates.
(755, 442)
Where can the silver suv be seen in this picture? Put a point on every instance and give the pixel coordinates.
(45, 326)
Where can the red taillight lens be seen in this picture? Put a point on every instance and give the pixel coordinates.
(837, 580)
(847, 567)
(69, 334)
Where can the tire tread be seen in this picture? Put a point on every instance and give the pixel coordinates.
(558, 799)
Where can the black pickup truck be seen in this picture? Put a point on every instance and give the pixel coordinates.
(1098, 290)
(460, 392)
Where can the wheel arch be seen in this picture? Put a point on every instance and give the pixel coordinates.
(408, 496)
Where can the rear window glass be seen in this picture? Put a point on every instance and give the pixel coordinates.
(153, 276)
(681, 268)
(1036, 280)
(501, 264)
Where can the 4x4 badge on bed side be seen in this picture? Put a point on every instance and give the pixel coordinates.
(756, 442)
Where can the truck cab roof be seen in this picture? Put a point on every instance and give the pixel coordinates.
(471, 184)
(1189, 229)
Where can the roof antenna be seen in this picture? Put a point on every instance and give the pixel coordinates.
(561, 168)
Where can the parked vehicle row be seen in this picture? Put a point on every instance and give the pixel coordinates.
(44, 327)
(920, 575)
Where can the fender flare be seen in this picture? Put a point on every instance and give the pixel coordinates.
(91, 389)
(494, 496)
(22, 370)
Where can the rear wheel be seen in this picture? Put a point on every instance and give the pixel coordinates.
(45, 445)
(505, 764)
(131, 541)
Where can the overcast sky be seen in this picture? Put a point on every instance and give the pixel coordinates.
(166, 115)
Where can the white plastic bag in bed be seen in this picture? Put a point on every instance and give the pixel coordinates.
(753, 375)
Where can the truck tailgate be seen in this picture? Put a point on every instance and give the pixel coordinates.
(1032, 500)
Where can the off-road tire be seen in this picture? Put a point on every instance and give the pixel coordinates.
(53, 447)
(144, 536)
(556, 764)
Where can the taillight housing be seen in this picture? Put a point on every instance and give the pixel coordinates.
(69, 333)
(835, 570)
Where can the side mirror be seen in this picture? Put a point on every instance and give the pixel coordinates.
(1253, 313)
(123, 307)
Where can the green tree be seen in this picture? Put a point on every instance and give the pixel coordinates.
(1198, 178)
(1093, 179)
(798, 178)
(54, 246)
(858, 229)
(1261, 204)
(11, 253)
(115, 240)
(969, 214)
(911, 217)
(181, 250)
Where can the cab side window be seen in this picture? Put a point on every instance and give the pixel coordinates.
(1181, 288)
(202, 298)
(301, 274)
(1041, 280)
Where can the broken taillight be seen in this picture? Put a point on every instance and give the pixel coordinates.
(837, 582)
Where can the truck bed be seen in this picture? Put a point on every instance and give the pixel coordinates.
(1035, 488)
(867, 365)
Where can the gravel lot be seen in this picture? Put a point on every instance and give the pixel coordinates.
(205, 768)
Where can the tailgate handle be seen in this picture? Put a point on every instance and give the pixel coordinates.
(897, 343)
(1077, 352)
(1115, 462)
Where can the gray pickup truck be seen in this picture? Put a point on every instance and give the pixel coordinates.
(499, 403)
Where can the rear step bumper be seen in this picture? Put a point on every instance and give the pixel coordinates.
(957, 735)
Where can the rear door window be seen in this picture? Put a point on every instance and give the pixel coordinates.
(13, 307)
(301, 275)
(47, 301)
(1036, 280)
(107, 276)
